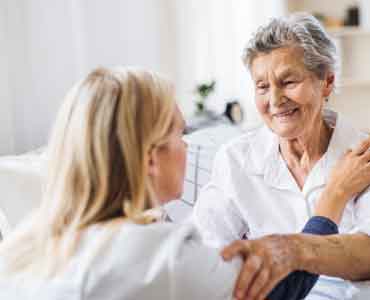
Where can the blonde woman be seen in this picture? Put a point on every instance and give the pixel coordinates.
(115, 151)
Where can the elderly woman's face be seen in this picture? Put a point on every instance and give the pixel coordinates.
(288, 96)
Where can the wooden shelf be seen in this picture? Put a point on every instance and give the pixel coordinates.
(354, 82)
(348, 31)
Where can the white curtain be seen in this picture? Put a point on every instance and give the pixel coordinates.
(6, 112)
(46, 45)
(211, 35)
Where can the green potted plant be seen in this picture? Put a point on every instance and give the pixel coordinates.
(203, 91)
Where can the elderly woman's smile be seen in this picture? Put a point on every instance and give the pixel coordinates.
(286, 114)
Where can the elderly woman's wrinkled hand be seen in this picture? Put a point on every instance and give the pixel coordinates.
(266, 262)
(351, 175)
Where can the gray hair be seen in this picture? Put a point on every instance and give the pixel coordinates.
(301, 30)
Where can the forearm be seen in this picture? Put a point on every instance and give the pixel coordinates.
(345, 256)
(331, 204)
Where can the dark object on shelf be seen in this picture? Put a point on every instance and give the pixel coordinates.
(352, 16)
(234, 112)
(205, 119)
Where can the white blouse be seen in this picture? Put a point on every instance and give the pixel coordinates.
(252, 192)
(158, 261)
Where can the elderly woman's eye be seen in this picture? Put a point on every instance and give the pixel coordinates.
(289, 83)
(262, 88)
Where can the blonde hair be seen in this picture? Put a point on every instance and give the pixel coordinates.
(97, 164)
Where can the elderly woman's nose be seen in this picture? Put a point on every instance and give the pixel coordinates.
(276, 97)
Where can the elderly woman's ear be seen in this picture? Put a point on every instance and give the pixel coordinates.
(328, 84)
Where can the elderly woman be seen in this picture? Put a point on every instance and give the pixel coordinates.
(268, 180)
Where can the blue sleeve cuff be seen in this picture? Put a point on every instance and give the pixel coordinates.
(321, 226)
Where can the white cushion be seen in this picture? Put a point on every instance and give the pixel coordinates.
(20, 185)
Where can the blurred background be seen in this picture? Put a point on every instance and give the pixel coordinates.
(46, 45)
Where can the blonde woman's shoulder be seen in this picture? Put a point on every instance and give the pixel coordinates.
(160, 261)
(139, 261)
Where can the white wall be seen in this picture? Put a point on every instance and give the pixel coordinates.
(126, 33)
(42, 64)
(52, 43)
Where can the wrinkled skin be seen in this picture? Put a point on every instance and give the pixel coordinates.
(267, 261)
